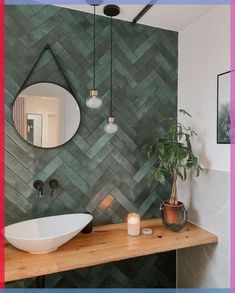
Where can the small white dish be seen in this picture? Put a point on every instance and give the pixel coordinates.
(147, 231)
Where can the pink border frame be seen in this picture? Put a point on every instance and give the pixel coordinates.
(232, 148)
(232, 151)
(1, 143)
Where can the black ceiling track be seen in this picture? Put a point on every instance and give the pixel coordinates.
(144, 11)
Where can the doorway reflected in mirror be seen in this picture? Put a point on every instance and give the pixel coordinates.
(46, 115)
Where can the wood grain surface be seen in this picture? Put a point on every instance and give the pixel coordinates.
(105, 244)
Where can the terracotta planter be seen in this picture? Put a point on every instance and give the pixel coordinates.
(174, 217)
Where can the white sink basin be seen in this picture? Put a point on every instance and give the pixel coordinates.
(44, 235)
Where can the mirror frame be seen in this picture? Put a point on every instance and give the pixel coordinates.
(13, 124)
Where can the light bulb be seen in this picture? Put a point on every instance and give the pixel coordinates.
(111, 127)
(93, 101)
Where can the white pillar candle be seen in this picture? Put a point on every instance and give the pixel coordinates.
(133, 224)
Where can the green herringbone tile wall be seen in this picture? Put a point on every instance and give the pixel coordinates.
(103, 174)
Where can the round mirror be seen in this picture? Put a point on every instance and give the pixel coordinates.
(46, 115)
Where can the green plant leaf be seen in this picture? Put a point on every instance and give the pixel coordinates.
(184, 112)
(160, 148)
(187, 136)
(173, 152)
(189, 164)
(185, 174)
(179, 174)
(194, 160)
(159, 176)
(198, 170)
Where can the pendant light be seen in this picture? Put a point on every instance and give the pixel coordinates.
(94, 101)
(111, 126)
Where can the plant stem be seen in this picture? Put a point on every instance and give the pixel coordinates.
(174, 199)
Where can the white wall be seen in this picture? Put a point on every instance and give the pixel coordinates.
(204, 52)
(45, 107)
(207, 201)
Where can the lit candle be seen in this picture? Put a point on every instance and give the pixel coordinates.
(133, 224)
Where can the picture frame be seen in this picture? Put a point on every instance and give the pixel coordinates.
(223, 107)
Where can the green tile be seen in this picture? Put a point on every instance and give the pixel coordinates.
(93, 164)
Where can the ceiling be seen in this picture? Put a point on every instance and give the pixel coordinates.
(171, 17)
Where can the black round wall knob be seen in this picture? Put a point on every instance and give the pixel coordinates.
(53, 183)
(38, 184)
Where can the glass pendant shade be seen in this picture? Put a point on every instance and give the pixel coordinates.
(111, 127)
(93, 101)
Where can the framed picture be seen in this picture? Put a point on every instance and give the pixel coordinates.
(223, 107)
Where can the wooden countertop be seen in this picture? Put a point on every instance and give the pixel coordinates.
(105, 244)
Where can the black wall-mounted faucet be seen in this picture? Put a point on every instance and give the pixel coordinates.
(53, 183)
(38, 184)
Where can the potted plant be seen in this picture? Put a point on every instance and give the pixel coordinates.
(174, 158)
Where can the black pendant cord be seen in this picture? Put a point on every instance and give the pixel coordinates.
(60, 68)
(94, 53)
(111, 67)
(47, 47)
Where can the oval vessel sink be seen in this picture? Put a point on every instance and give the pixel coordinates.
(46, 234)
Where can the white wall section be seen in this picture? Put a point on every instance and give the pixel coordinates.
(204, 52)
